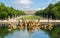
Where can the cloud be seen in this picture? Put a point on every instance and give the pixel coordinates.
(25, 2)
(54, 1)
(29, 4)
(41, 8)
(22, 3)
(57, 0)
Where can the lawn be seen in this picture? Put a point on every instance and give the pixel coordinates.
(24, 17)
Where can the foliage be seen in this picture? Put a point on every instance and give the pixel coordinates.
(5, 12)
(52, 11)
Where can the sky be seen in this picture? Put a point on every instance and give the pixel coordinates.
(28, 4)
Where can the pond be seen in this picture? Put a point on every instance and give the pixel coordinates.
(30, 33)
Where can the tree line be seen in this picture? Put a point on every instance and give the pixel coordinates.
(52, 11)
(6, 12)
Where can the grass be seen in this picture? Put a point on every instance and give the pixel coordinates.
(30, 17)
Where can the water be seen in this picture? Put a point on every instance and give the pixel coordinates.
(31, 33)
(26, 34)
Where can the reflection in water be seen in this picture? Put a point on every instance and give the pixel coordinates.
(4, 32)
(44, 31)
(28, 33)
(55, 32)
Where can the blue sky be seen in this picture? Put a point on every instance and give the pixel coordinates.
(28, 4)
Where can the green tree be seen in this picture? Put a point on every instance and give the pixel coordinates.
(3, 15)
(52, 11)
(9, 11)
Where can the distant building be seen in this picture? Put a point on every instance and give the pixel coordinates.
(29, 12)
